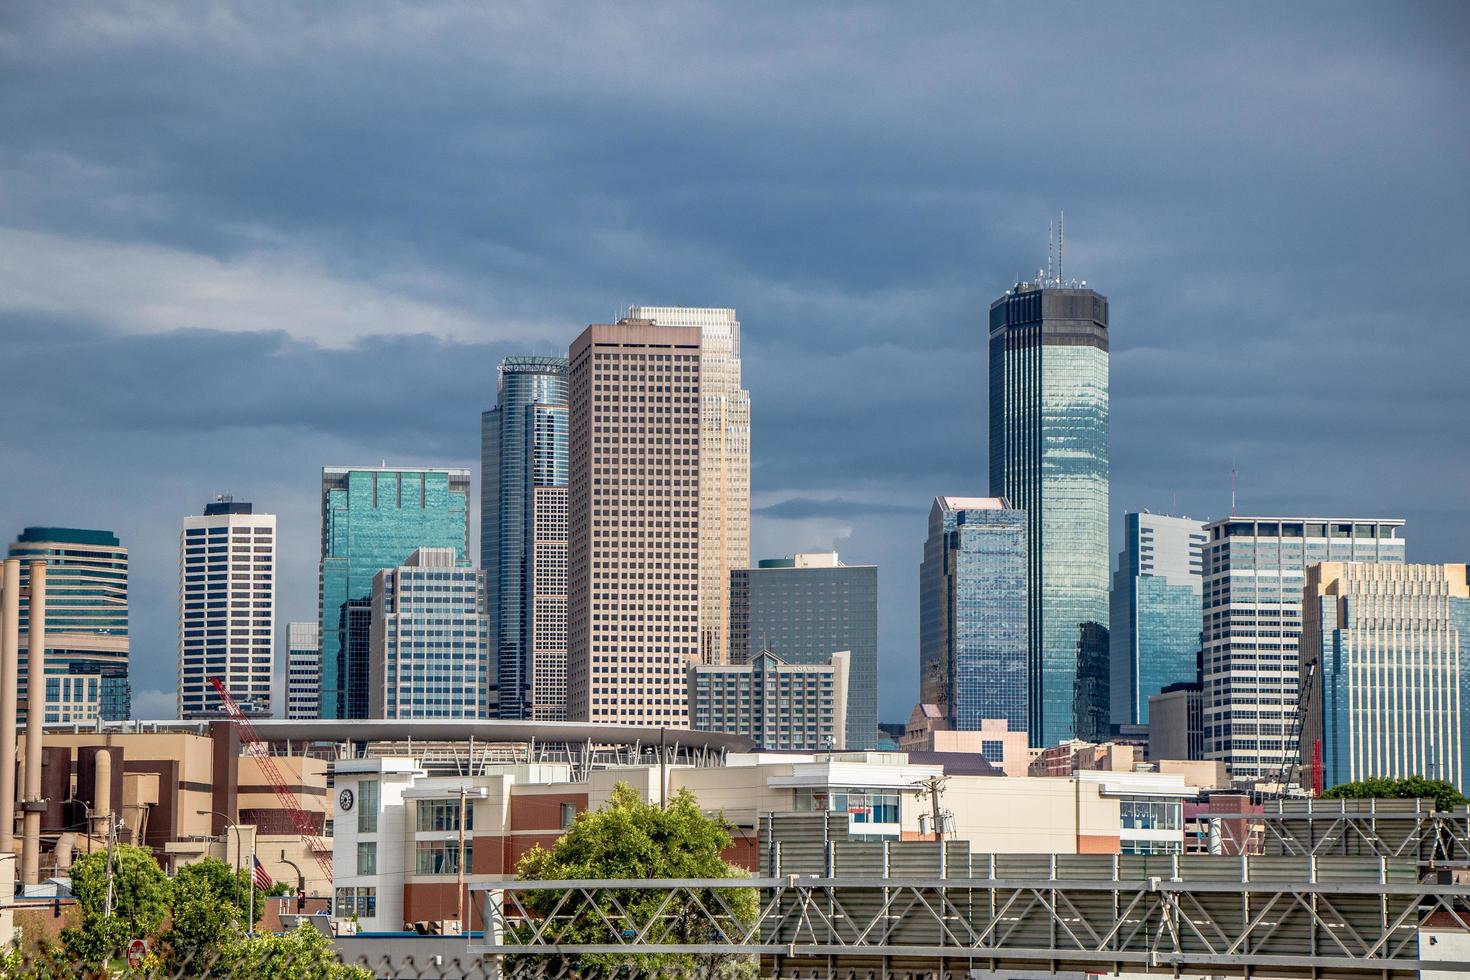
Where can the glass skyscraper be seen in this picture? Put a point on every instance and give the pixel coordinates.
(1049, 458)
(374, 518)
(86, 623)
(1255, 571)
(1156, 601)
(1392, 647)
(523, 480)
(1090, 695)
(972, 609)
(806, 608)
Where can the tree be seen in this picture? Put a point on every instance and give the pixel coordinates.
(629, 838)
(139, 899)
(1444, 795)
(301, 955)
(208, 911)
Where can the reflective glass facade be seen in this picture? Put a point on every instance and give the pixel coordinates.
(1049, 458)
(972, 607)
(1392, 647)
(86, 623)
(807, 614)
(523, 446)
(374, 518)
(1156, 604)
(1090, 701)
(1255, 571)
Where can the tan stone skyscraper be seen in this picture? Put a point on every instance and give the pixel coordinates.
(633, 515)
(724, 465)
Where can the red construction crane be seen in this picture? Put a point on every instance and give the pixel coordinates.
(255, 748)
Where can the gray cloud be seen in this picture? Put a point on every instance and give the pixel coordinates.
(238, 241)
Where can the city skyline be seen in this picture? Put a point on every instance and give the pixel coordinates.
(861, 264)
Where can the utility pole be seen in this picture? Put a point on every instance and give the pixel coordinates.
(459, 867)
(934, 785)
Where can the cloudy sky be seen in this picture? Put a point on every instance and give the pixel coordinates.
(238, 242)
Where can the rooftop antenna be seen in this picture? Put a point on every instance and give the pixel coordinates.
(1061, 242)
(1232, 488)
(1049, 239)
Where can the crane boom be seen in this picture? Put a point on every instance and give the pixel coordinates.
(258, 750)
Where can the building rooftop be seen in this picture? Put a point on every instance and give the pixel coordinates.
(68, 535)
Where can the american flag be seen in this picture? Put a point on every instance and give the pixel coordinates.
(262, 880)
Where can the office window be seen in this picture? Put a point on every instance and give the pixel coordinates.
(367, 857)
(367, 806)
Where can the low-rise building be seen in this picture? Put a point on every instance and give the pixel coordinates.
(929, 731)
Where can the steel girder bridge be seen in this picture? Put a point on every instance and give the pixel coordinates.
(1311, 925)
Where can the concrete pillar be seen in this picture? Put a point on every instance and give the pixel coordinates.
(30, 855)
(9, 680)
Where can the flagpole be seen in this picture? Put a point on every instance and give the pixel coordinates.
(250, 927)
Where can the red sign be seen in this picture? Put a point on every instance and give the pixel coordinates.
(136, 951)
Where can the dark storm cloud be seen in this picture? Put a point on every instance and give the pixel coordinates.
(241, 241)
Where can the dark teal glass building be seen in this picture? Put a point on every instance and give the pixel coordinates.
(374, 518)
(1049, 458)
(972, 613)
(523, 449)
(1157, 601)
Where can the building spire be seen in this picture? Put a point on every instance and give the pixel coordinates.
(1061, 243)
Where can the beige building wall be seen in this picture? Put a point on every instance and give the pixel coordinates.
(1200, 773)
(1025, 815)
(724, 465)
(634, 520)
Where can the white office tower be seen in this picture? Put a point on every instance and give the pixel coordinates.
(303, 670)
(724, 465)
(227, 608)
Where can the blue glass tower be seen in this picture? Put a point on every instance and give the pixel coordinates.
(523, 448)
(972, 612)
(374, 518)
(1049, 457)
(1156, 600)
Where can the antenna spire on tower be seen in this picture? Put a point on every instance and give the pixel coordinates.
(1232, 488)
(1061, 243)
(1049, 239)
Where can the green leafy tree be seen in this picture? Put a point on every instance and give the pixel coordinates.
(140, 896)
(208, 911)
(631, 839)
(1444, 795)
(304, 954)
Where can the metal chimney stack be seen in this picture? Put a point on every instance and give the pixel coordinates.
(9, 682)
(32, 804)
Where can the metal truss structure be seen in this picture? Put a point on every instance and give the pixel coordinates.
(1320, 921)
(1394, 829)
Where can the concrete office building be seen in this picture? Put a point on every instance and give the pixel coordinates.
(1156, 604)
(809, 607)
(523, 487)
(972, 613)
(86, 623)
(430, 640)
(1049, 458)
(724, 464)
(1390, 644)
(1176, 722)
(1255, 571)
(227, 608)
(303, 671)
(374, 518)
(633, 513)
(777, 705)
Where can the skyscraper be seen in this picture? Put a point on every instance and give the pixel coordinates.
(724, 465)
(972, 613)
(523, 481)
(374, 518)
(809, 607)
(1255, 571)
(1391, 645)
(430, 639)
(634, 522)
(1049, 458)
(778, 705)
(303, 671)
(227, 608)
(1156, 604)
(86, 623)
(1090, 694)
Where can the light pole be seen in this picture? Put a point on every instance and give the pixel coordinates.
(231, 825)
